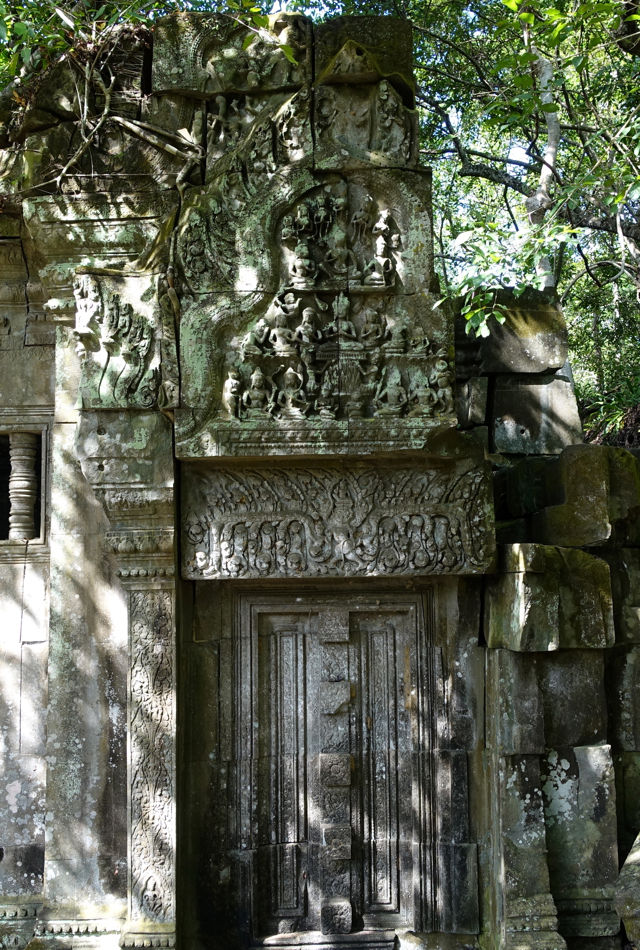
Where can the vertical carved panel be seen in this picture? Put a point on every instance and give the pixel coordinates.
(381, 714)
(285, 726)
(152, 756)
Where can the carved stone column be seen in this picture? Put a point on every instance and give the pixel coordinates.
(151, 767)
(127, 458)
(23, 485)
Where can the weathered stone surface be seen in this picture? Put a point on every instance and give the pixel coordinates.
(516, 723)
(561, 599)
(199, 55)
(565, 679)
(627, 773)
(524, 912)
(624, 670)
(624, 564)
(528, 905)
(627, 894)
(579, 801)
(408, 940)
(471, 401)
(85, 861)
(522, 612)
(589, 496)
(533, 338)
(535, 415)
(102, 230)
(342, 42)
(463, 661)
(23, 700)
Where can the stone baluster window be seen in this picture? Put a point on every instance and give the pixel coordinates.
(20, 479)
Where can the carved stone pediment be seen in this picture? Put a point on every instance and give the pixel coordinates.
(349, 50)
(310, 326)
(200, 55)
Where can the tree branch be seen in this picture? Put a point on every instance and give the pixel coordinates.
(459, 49)
(468, 170)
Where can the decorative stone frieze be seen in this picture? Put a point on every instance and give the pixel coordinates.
(359, 520)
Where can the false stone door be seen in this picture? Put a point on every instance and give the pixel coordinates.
(328, 786)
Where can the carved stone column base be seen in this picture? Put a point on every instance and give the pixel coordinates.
(538, 940)
(17, 924)
(588, 917)
(150, 936)
(531, 924)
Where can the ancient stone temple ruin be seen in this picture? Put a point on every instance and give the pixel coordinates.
(320, 624)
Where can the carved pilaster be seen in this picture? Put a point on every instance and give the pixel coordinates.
(151, 768)
(127, 458)
(23, 485)
(145, 562)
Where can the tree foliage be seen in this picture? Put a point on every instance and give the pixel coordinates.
(529, 117)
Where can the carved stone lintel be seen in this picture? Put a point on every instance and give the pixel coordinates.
(363, 520)
(23, 485)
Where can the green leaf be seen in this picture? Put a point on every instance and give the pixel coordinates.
(512, 5)
(288, 52)
(248, 40)
(549, 107)
(527, 18)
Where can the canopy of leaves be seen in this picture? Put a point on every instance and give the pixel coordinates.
(529, 117)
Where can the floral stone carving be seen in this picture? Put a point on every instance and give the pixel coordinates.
(335, 521)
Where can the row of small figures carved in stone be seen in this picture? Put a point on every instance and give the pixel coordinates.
(402, 543)
(235, 116)
(357, 392)
(313, 218)
(376, 332)
(313, 221)
(378, 123)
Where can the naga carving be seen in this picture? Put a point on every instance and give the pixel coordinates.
(129, 358)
